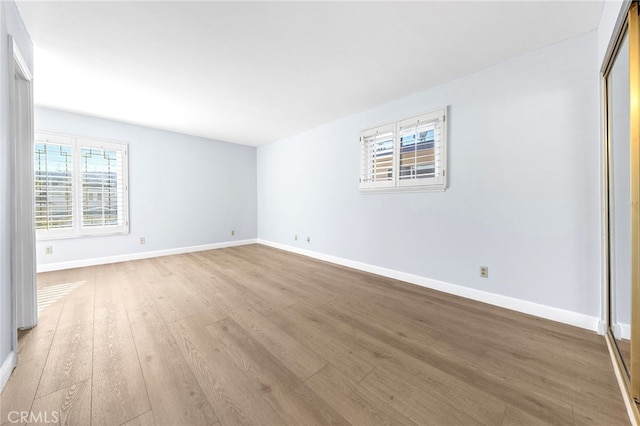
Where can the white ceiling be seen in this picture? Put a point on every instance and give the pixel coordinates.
(255, 72)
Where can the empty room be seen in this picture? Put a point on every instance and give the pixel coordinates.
(319, 212)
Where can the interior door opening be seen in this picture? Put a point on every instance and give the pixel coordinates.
(25, 312)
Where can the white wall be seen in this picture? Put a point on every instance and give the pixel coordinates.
(10, 24)
(184, 191)
(523, 194)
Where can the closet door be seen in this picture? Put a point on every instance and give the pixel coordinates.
(619, 185)
(622, 166)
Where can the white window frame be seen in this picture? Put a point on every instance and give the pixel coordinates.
(77, 229)
(365, 154)
(435, 183)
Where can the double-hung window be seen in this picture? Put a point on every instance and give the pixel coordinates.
(408, 154)
(81, 187)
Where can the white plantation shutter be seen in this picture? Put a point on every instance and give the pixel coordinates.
(81, 187)
(54, 201)
(377, 166)
(408, 154)
(103, 188)
(421, 152)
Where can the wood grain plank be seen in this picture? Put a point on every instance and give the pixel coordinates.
(70, 406)
(19, 392)
(293, 280)
(356, 404)
(261, 289)
(145, 419)
(546, 408)
(483, 329)
(337, 352)
(109, 292)
(136, 291)
(227, 389)
(458, 393)
(32, 342)
(423, 407)
(175, 396)
(294, 355)
(33, 350)
(118, 392)
(513, 416)
(283, 390)
(176, 299)
(163, 266)
(514, 359)
(69, 359)
(604, 413)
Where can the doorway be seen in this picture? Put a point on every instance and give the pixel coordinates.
(23, 276)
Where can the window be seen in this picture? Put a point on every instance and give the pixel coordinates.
(377, 157)
(81, 187)
(408, 154)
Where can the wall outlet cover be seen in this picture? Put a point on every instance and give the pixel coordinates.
(484, 271)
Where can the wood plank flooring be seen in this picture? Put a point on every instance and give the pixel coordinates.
(254, 335)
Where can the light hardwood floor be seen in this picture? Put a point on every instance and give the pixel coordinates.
(254, 335)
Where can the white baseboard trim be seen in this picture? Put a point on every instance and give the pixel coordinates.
(602, 327)
(6, 368)
(626, 331)
(524, 306)
(48, 267)
(621, 330)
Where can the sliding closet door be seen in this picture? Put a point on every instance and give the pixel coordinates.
(634, 154)
(618, 106)
(622, 125)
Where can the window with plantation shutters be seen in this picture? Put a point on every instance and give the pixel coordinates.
(377, 157)
(53, 165)
(103, 189)
(81, 187)
(408, 154)
(421, 150)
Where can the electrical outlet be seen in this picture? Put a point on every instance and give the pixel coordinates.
(308, 239)
(143, 240)
(233, 232)
(484, 271)
(48, 250)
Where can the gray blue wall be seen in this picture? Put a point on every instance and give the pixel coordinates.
(184, 191)
(524, 185)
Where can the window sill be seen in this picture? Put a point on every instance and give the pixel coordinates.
(74, 236)
(403, 189)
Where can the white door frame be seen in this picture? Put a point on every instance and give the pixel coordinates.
(23, 265)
